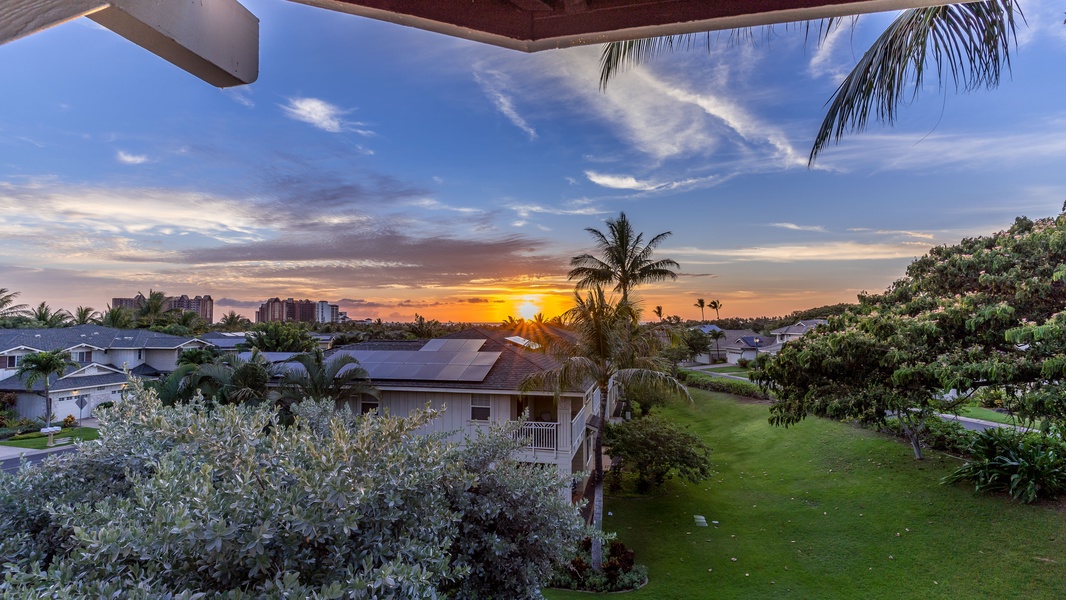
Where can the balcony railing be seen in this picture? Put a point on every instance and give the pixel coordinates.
(539, 436)
(577, 427)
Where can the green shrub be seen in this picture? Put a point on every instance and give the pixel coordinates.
(619, 572)
(656, 449)
(69, 421)
(743, 363)
(938, 434)
(1028, 466)
(725, 385)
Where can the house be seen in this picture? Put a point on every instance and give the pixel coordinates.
(749, 347)
(718, 349)
(101, 355)
(793, 332)
(474, 377)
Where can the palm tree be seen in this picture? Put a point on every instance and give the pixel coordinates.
(198, 356)
(118, 317)
(320, 379)
(48, 318)
(608, 350)
(970, 43)
(716, 334)
(151, 309)
(175, 387)
(86, 315)
(624, 259)
(700, 304)
(237, 381)
(231, 321)
(188, 319)
(658, 312)
(8, 308)
(43, 365)
(716, 305)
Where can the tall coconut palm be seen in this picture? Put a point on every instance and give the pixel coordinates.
(8, 308)
(968, 44)
(320, 379)
(658, 312)
(700, 304)
(716, 335)
(231, 321)
(49, 318)
(85, 315)
(118, 317)
(42, 366)
(624, 259)
(609, 351)
(151, 309)
(716, 305)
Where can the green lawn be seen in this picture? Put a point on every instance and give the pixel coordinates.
(977, 412)
(825, 510)
(82, 433)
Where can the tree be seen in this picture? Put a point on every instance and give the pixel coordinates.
(50, 319)
(970, 43)
(118, 317)
(423, 329)
(716, 305)
(85, 315)
(607, 352)
(964, 317)
(8, 308)
(316, 378)
(231, 321)
(279, 336)
(187, 501)
(658, 312)
(656, 449)
(624, 259)
(187, 319)
(151, 309)
(700, 304)
(42, 366)
(715, 335)
(198, 356)
(175, 387)
(237, 381)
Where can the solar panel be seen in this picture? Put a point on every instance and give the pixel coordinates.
(429, 372)
(485, 358)
(475, 373)
(382, 370)
(441, 357)
(434, 345)
(464, 358)
(405, 371)
(451, 373)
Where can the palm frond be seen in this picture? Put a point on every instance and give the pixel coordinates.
(966, 44)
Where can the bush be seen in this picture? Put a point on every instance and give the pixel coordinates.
(185, 501)
(103, 405)
(1028, 466)
(743, 363)
(619, 572)
(656, 449)
(69, 421)
(725, 385)
(938, 434)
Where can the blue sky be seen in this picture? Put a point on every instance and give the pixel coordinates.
(397, 171)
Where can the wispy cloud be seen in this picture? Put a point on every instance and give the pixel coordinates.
(495, 85)
(914, 234)
(323, 115)
(823, 62)
(130, 159)
(629, 182)
(795, 227)
(826, 251)
(576, 208)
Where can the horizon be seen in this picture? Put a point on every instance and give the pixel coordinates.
(410, 172)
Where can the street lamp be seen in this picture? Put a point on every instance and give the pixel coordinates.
(756, 351)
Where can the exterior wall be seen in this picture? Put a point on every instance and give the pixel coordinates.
(65, 402)
(124, 358)
(163, 360)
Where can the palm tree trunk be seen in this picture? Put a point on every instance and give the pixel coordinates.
(47, 404)
(597, 483)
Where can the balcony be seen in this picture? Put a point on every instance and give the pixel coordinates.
(539, 436)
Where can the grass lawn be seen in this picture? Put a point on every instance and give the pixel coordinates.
(825, 510)
(81, 433)
(977, 412)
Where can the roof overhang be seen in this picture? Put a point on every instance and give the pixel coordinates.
(533, 25)
(218, 40)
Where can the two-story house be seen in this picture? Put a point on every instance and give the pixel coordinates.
(102, 354)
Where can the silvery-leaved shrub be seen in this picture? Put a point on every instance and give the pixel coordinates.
(200, 500)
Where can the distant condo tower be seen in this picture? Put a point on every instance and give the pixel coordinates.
(304, 311)
(203, 306)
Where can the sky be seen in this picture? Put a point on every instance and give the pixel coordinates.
(395, 171)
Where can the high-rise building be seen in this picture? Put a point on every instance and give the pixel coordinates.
(303, 311)
(201, 305)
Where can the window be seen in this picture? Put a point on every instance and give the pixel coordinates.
(83, 357)
(365, 406)
(140, 354)
(13, 361)
(480, 407)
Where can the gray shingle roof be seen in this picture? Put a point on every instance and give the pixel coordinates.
(799, 328)
(93, 335)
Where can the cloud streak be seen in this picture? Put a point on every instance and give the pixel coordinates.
(322, 114)
(495, 86)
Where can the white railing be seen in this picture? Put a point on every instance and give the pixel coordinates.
(577, 428)
(539, 436)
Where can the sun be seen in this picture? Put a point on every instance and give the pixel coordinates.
(528, 309)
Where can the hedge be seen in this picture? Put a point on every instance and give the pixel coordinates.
(726, 385)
